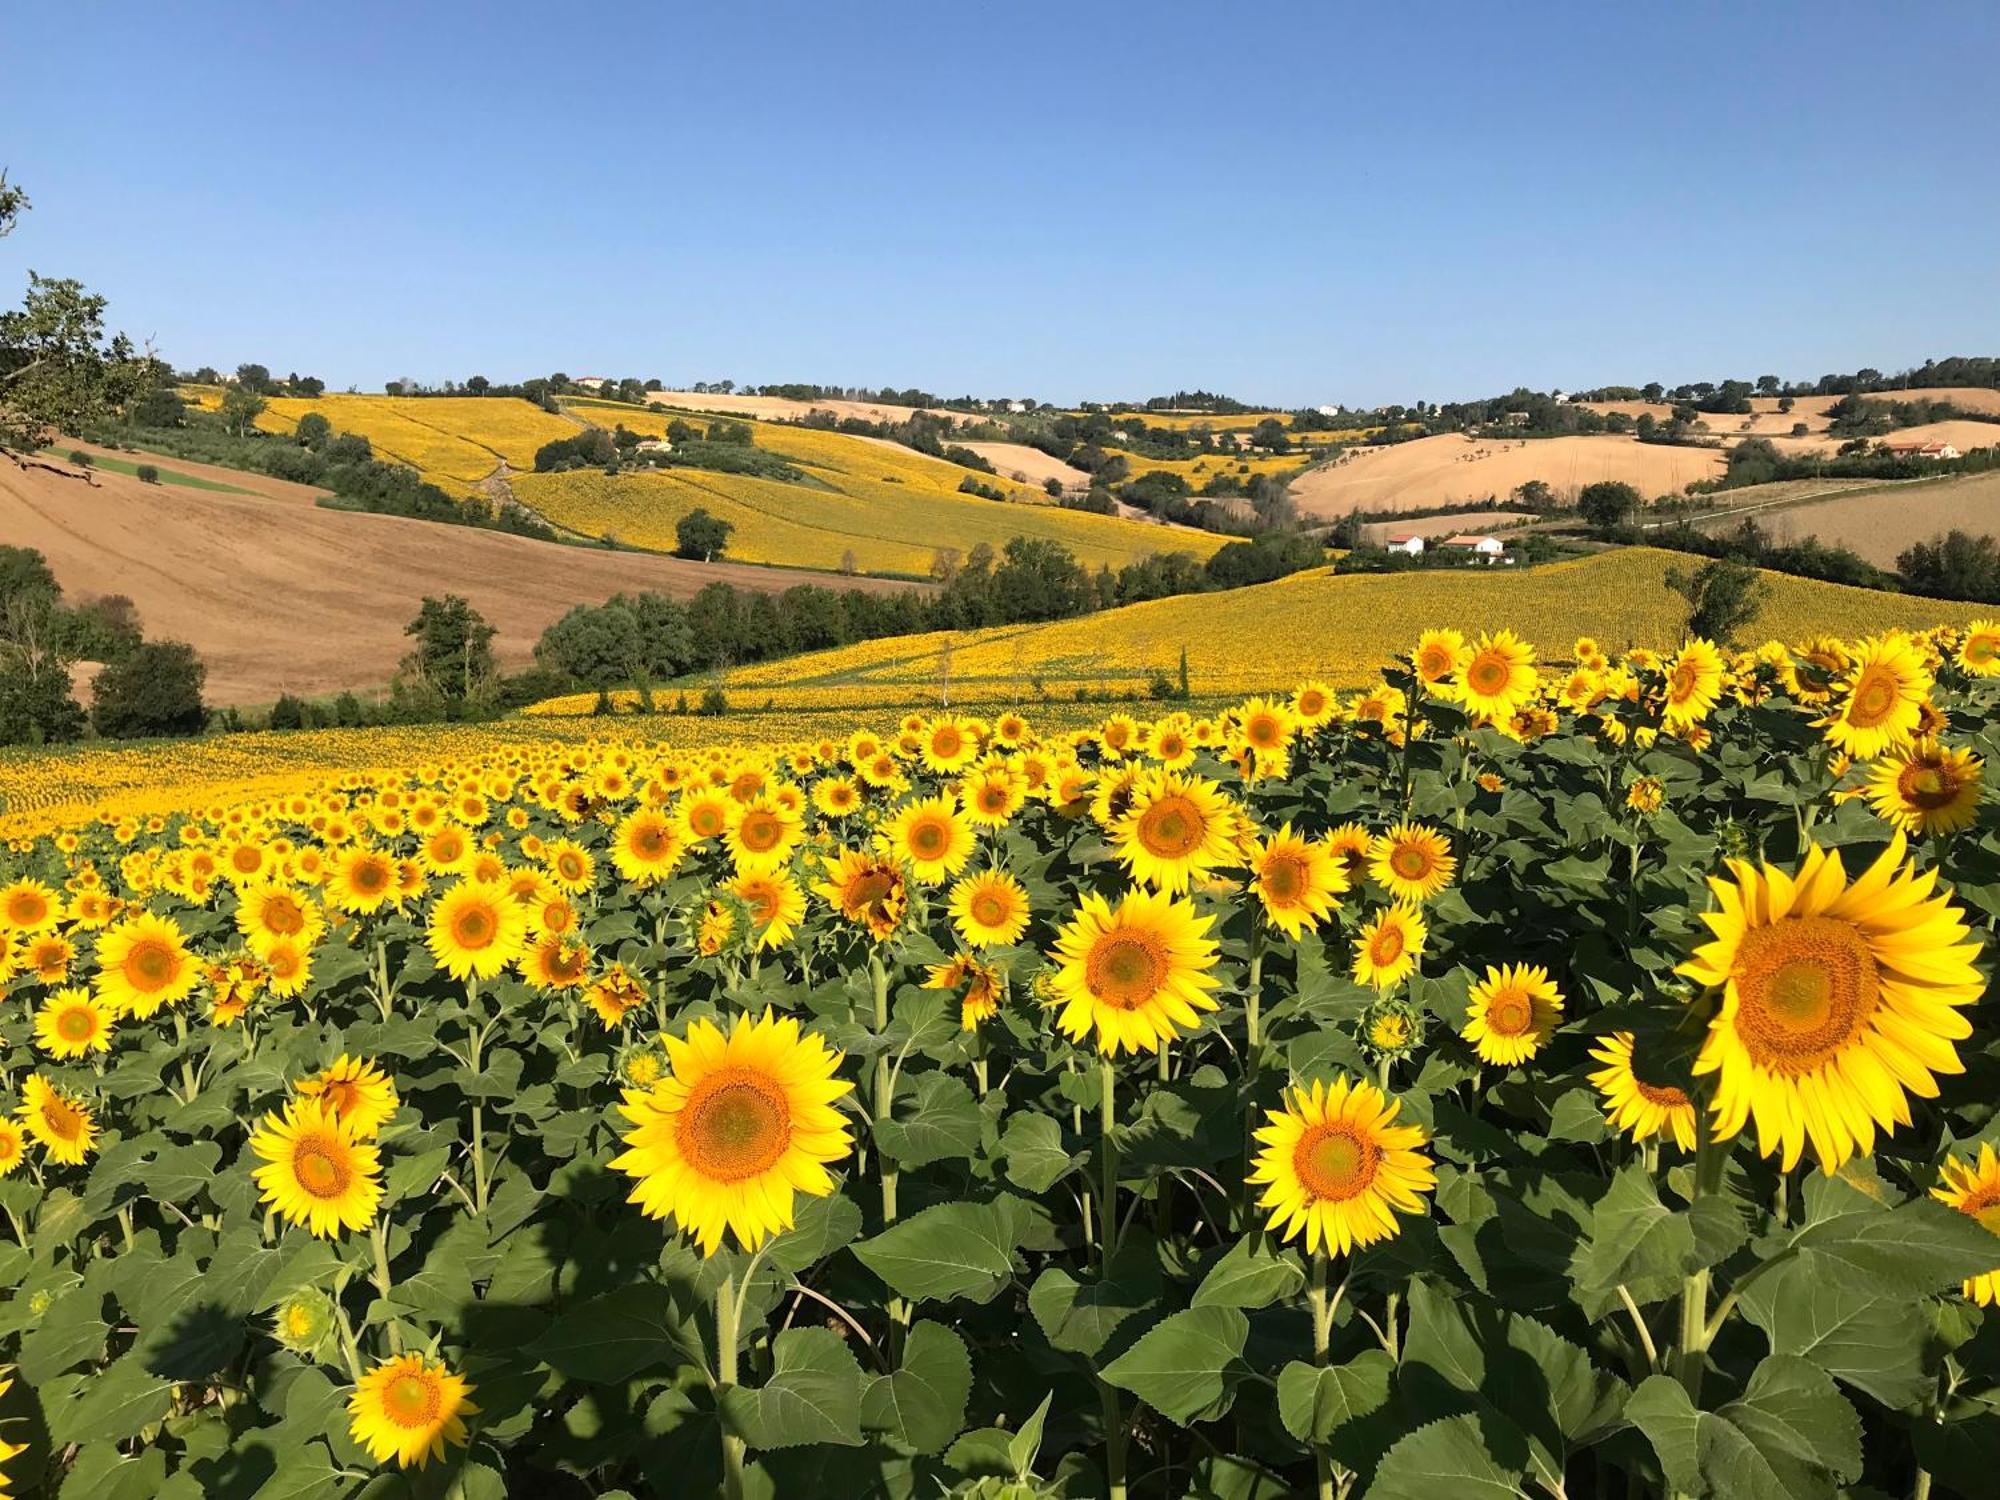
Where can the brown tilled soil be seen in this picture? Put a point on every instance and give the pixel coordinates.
(281, 595)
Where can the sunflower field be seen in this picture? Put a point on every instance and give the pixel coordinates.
(1494, 1082)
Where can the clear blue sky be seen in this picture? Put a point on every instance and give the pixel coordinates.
(1292, 203)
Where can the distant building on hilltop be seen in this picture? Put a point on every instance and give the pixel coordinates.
(1488, 549)
(592, 382)
(1932, 449)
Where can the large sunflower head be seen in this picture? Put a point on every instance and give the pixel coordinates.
(1498, 676)
(13, 1146)
(775, 903)
(989, 908)
(1927, 787)
(762, 833)
(570, 866)
(645, 846)
(1638, 1099)
(1837, 1000)
(1979, 648)
(1693, 686)
(143, 963)
(1176, 828)
(73, 1023)
(318, 1171)
(1512, 1012)
(61, 1122)
(361, 879)
(743, 1121)
(476, 929)
(28, 906)
(408, 1408)
(1336, 1165)
(1878, 704)
(1138, 974)
(1440, 655)
(1413, 863)
(1972, 1186)
(931, 836)
(1296, 880)
(355, 1089)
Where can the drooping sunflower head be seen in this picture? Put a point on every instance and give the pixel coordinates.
(1512, 1012)
(1972, 1186)
(989, 908)
(60, 1122)
(1137, 975)
(1336, 1165)
(1646, 795)
(317, 1170)
(744, 1121)
(1927, 787)
(614, 995)
(867, 890)
(355, 1089)
(408, 1408)
(1837, 1000)
(1176, 828)
(1639, 1099)
(1413, 863)
(773, 902)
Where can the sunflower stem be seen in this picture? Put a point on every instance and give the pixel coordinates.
(1114, 1440)
(1253, 1043)
(1107, 1152)
(885, 1083)
(188, 1081)
(1695, 1331)
(1322, 1320)
(475, 1036)
(378, 1231)
(725, 1376)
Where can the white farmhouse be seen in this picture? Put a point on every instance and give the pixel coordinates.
(1410, 542)
(1488, 549)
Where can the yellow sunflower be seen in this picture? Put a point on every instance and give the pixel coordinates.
(1439, 657)
(408, 1408)
(1642, 1107)
(1878, 703)
(741, 1124)
(1297, 881)
(318, 1170)
(1498, 676)
(1973, 1188)
(931, 837)
(866, 890)
(1979, 651)
(762, 834)
(555, 961)
(28, 906)
(989, 909)
(61, 1122)
(355, 1089)
(979, 985)
(13, 1146)
(645, 846)
(1137, 974)
(1694, 685)
(361, 879)
(288, 966)
(705, 814)
(1176, 829)
(1386, 952)
(1412, 862)
(992, 792)
(836, 796)
(614, 995)
(775, 902)
(948, 744)
(271, 912)
(1927, 787)
(143, 963)
(1837, 998)
(1336, 1165)
(476, 929)
(1513, 1012)
(570, 866)
(71, 1023)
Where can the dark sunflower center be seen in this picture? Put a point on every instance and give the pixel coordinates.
(1172, 828)
(475, 928)
(1126, 969)
(1510, 1013)
(736, 1128)
(412, 1401)
(150, 965)
(321, 1167)
(1284, 878)
(1874, 698)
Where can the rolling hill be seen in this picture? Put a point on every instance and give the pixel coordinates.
(1268, 636)
(279, 594)
(455, 442)
(1879, 521)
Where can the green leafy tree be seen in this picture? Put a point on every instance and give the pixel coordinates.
(1723, 597)
(154, 690)
(453, 655)
(241, 407)
(595, 646)
(701, 536)
(1608, 504)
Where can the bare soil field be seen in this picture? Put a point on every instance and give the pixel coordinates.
(1881, 521)
(784, 409)
(1438, 470)
(1477, 522)
(1963, 435)
(1027, 465)
(281, 595)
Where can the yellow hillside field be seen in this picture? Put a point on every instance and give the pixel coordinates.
(889, 528)
(1313, 624)
(453, 441)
